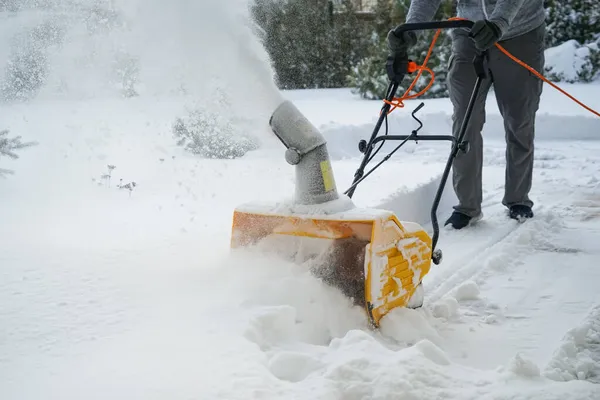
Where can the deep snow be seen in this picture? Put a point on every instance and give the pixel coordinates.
(110, 294)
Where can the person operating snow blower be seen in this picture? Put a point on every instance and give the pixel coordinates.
(519, 26)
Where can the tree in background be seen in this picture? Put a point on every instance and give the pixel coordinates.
(369, 77)
(572, 20)
(311, 44)
(314, 45)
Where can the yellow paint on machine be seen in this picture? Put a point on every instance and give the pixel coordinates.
(328, 180)
(374, 254)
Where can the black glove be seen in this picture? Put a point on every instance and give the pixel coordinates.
(485, 34)
(397, 62)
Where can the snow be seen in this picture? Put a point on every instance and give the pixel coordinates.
(468, 290)
(446, 308)
(577, 357)
(107, 293)
(569, 59)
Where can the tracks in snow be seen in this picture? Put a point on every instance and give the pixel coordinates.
(517, 286)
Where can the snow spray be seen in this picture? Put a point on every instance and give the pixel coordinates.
(206, 51)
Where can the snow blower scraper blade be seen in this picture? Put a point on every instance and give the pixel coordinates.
(368, 254)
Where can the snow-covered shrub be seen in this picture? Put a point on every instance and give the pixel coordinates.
(572, 20)
(27, 66)
(211, 135)
(126, 68)
(572, 40)
(8, 147)
(572, 62)
(25, 73)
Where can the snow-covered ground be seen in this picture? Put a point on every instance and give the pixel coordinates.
(107, 293)
(112, 294)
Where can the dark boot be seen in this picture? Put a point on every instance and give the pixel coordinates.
(459, 220)
(520, 212)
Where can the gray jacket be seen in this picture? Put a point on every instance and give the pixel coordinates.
(514, 17)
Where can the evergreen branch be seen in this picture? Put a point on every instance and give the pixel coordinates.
(4, 172)
(8, 145)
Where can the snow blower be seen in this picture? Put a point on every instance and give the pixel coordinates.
(370, 255)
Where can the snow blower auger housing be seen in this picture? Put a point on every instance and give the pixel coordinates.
(370, 255)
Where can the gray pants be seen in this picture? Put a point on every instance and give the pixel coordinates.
(517, 93)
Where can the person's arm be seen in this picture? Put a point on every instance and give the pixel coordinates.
(504, 13)
(422, 10)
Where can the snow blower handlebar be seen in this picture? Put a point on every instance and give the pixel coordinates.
(433, 25)
(408, 67)
(458, 144)
(398, 64)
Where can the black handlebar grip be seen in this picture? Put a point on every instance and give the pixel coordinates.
(433, 25)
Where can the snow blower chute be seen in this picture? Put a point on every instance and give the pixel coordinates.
(368, 254)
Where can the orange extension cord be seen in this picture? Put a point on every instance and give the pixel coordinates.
(412, 67)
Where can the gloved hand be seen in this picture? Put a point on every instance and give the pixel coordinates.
(485, 34)
(397, 62)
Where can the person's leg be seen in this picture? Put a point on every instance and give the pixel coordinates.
(518, 94)
(467, 167)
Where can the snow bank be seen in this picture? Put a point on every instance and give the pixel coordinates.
(572, 62)
(404, 186)
(551, 124)
(345, 119)
(578, 357)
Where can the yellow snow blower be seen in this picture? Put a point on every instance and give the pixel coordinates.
(368, 254)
